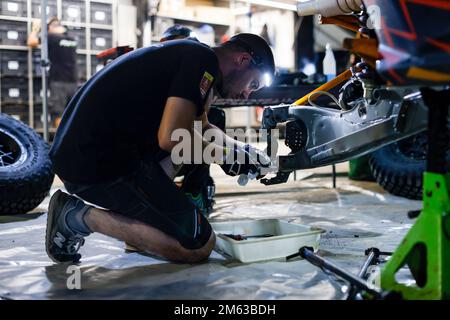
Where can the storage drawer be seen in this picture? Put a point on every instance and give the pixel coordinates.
(17, 111)
(15, 8)
(13, 33)
(101, 39)
(36, 9)
(80, 36)
(14, 90)
(101, 13)
(73, 11)
(13, 63)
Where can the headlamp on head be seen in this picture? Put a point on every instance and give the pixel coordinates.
(267, 79)
(259, 50)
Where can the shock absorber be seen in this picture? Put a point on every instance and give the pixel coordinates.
(327, 8)
(363, 70)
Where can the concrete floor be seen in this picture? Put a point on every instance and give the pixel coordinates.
(356, 216)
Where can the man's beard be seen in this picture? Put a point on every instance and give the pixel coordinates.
(227, 84)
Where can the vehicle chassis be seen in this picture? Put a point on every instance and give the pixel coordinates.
(320, 136)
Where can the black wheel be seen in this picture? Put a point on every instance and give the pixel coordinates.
(399, 167)
(25, 168)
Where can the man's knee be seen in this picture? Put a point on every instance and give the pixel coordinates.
(200, 254)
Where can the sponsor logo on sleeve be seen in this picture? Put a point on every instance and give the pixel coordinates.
(206, 83)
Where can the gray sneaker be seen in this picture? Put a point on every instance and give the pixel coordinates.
(61, 242)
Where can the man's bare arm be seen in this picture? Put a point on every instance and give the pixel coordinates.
(216, 132)
(179, 113)
(172, 120)
(33, 37)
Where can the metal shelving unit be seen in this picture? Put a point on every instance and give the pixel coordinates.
(26, 107)
(193, 19)
(193, 14)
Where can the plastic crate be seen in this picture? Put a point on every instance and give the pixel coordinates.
(15, 8)
(17, 111)
(101, 39)
(101, 13)
(73, 11)
(13, 33)
(267, 239)
(13, 63)
(14, 90)
(36, 8)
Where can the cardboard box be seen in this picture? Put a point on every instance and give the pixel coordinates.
(171, 6)
(218, 14)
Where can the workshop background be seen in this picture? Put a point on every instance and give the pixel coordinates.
(95, 25)
(356, 206)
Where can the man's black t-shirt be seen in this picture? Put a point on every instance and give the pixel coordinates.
(63, 57)
(113, 120)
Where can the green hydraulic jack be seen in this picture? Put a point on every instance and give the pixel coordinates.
(426, 247)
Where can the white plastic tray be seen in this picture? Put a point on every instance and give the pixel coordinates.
(288, 238)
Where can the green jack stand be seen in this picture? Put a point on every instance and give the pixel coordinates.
(426, 247)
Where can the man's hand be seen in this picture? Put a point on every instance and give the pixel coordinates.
(36, 27)
(33, 37)
(258, 155)
(245, 159)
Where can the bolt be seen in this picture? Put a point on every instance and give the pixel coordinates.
(362, 65)
(362, 111)
(363, 30)
(363, 18)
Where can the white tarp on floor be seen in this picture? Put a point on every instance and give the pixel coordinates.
(355, 219)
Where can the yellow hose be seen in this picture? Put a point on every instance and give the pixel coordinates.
(344, 76)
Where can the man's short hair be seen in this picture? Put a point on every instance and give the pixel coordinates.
(178, 31)
(256, 46)
(53, 19)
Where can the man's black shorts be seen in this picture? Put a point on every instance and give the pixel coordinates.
(60, 95)
(148, 195)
